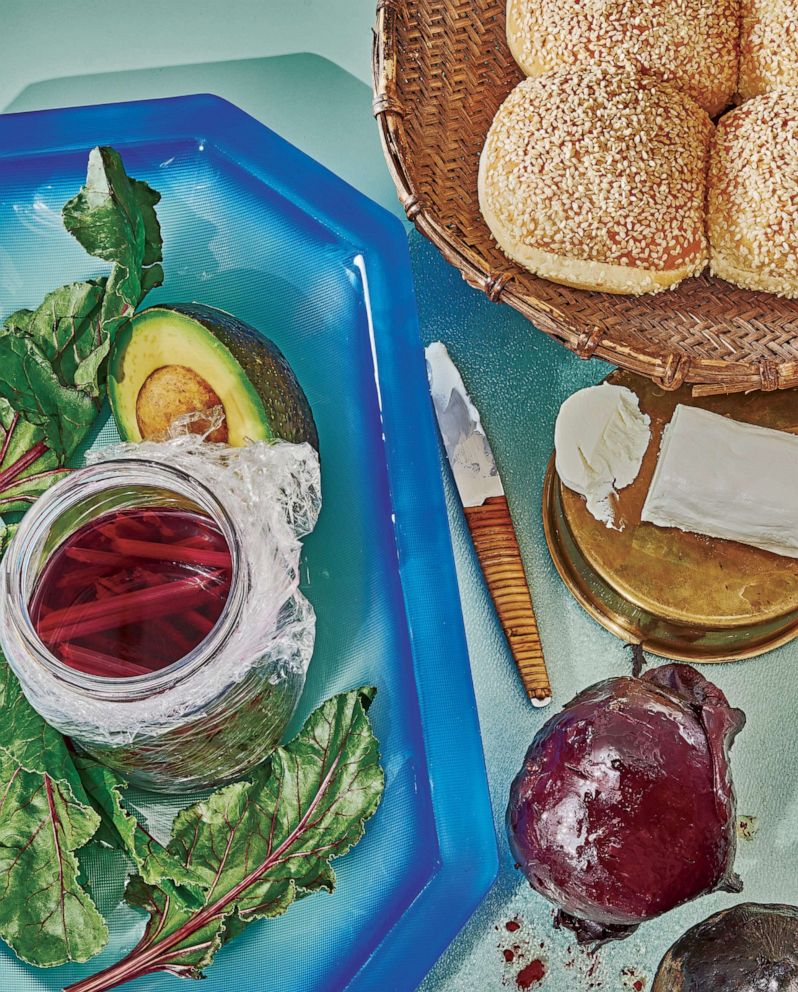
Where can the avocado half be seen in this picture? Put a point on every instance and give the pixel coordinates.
(175, 359)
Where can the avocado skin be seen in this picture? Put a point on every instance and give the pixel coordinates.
(266, 367)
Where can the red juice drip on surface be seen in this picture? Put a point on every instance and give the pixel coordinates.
(132, 591)
(529, 976)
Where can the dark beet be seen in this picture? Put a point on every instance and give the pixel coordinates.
(744, 949)
(624, 806)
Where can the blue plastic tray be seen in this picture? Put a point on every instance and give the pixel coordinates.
(253, 226)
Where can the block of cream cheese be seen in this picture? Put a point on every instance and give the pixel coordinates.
(600, 439)
(722, 478)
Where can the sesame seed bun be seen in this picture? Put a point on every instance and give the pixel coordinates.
(693, 43)
(768, 46)
(753, 195)
(597, 180)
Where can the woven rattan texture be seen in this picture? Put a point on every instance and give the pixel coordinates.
(441, 70)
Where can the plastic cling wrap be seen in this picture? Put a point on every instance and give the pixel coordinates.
(224, 707)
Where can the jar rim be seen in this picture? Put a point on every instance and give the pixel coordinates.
(27, 543)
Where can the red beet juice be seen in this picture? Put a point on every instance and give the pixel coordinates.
(132, 591)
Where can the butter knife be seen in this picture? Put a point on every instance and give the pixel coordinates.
(488, 516)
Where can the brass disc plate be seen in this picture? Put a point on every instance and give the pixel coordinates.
(681, 595)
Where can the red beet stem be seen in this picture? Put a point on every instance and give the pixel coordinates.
(116, 643)
(131, 526)
(199, 622)
(73, 622)
(197, 541)
(7, 439)
(171, 552)
(127, 581)
(176, 638)
(141, 586)
(83, 579)
(92, 556)
(33, 454)
(97, 663)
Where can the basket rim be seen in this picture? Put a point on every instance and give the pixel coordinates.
(670, 369)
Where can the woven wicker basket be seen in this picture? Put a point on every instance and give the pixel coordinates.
(441, 70)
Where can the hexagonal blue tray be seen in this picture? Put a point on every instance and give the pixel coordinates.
(255, 227)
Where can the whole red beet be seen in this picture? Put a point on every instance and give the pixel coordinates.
(624, 807)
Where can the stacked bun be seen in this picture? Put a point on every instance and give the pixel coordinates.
(602, 171)
(598, 180)
(753, 195)
(692, 43)
(768, 46)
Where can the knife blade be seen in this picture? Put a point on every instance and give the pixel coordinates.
(481, 492)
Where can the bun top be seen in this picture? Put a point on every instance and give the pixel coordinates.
(768, 46)
(692, 43)
(605, 167)
(753, 190)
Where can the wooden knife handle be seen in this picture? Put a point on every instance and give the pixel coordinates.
(500, 557)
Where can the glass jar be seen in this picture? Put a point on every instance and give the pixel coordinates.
(202, 721)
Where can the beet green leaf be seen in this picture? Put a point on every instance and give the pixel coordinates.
(122, 830)
(53, 359)
(267, 841)
(46, 916)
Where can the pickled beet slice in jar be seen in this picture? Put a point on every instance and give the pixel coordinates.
(133, 591)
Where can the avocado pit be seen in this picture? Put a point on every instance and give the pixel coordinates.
(170, 392)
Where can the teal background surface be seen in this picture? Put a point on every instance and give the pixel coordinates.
(302, 67)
